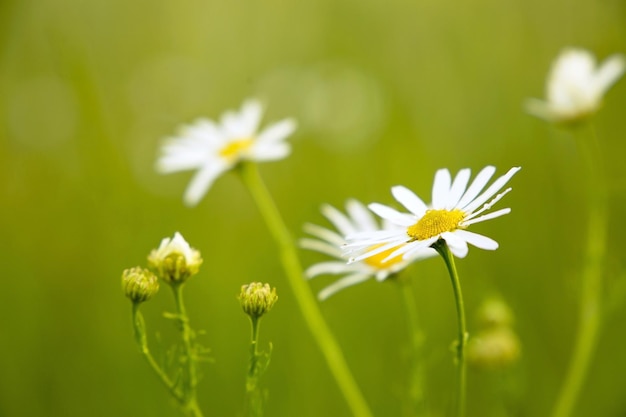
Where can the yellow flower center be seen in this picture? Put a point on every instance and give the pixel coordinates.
(376, 261)
(235, 148)
(434, 223)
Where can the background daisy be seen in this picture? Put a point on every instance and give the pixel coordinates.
(213, 149)
(576, 85)
(357, 219)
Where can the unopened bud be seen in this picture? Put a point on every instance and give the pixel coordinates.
(139, 284)
(175, 261)
(257, 299)
(494, 348)
(494, 312)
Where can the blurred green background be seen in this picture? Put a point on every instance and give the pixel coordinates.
(385, 93)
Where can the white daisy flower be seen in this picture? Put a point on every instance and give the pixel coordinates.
(213, 149)
(454, 208)
(357, 220)
(576, 85)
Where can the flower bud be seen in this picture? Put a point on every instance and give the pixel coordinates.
(495, 348)
(257, 299)
(139, 284)
(175, 261)
(494, 312)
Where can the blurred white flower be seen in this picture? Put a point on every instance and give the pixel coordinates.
(576, 85)
(213, 149)
(454, 208)
(358, 219)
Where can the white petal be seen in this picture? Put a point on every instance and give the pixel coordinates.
(489, 216)
(201, 129)
(181, 161)
(610, 71)
(242, 124)
(361, 216)
(403, 249)
(370, 236)
(331, 267)
(421, 253)
(201, 182)
(478, 184)
(416, 248)
(341, 284)
(457, 245)
(230, 125)
(480, 241)
(539, 108)
(375, 251)
(441, 188)
(321, 247)
(277, 132)
(325, 234)
(493, 189)
(458, 188)
(409, 200)
(393, 215)
(269, 151)
(339, 220)
(382, 275)
(250, 117)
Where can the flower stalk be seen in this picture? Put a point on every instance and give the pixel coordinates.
(416, 383)
(254, 397)
(442, 248)
(590, 315)
(188, 359)
(304, 297)
(142, 342)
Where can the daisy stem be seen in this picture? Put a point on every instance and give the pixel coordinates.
(189, 380)
(589, 319)
(304, 297)
(142, 342)
(416, 384)
(253, 396)
(442, 248)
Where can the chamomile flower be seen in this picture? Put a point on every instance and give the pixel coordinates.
(214, 148)
(454, 208)
(576, 85)
(357, 220)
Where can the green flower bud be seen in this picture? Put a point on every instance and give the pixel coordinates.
(257, 299)
(495, 348)
(139, 284)
(494, 313)
(175, 261)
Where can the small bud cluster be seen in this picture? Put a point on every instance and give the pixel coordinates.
(139, 284)
(257, 299)
(495, 346)
(174, 261)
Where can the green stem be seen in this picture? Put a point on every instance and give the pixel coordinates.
(254, 353)
(189, 381)
(591, 290)
(254, 402)
(416, 384)
(306, 301)
(442, 248)
(140, 337)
